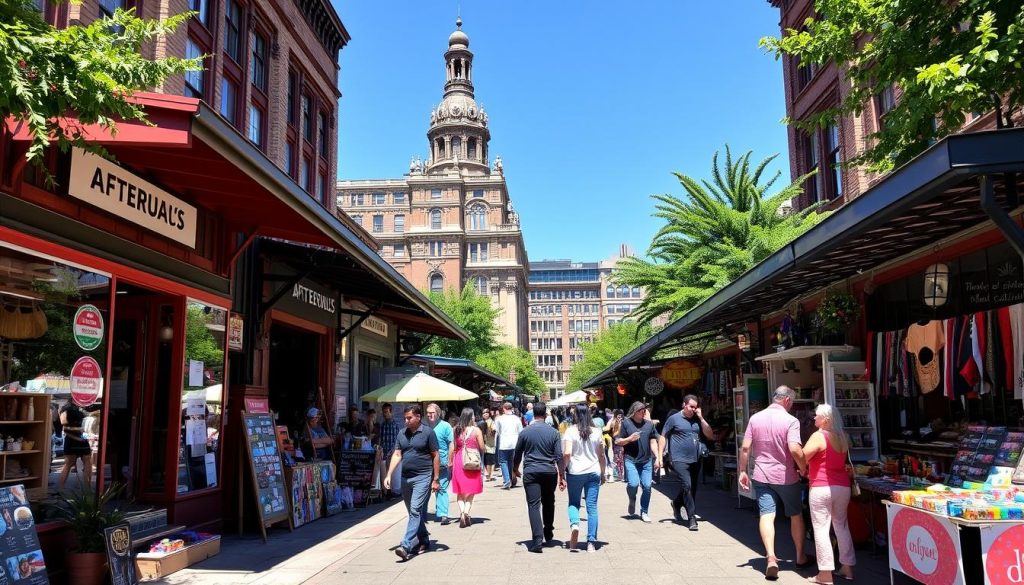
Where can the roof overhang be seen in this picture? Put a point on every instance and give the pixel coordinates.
(929, 199)
(468, 370)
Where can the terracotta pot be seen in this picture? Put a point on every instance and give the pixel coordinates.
(87, 568)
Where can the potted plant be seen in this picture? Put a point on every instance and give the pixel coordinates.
(836, 314)
(87, 515)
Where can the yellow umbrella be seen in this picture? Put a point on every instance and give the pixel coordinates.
(419, 388)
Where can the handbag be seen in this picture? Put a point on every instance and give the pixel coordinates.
(470, 455)
(854, 486)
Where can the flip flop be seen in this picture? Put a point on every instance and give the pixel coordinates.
(771, 572)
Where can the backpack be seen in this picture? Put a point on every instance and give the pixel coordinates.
(470, 455)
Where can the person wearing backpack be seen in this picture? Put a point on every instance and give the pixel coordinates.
(466, 463)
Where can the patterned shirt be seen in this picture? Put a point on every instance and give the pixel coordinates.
(389, 429)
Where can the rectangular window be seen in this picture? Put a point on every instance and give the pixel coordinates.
(255, 131)
(293, 89)
(399, 224)
(325, 144)
(194, 80)
(202, 10)
(322, 189)
(478, 253)
(834, 163)
(399, 197)
(107, 7)
(435, 193)
(357, 199)
(378, 224)
(813, 157)
(307, 118)
(478, 193)
(232, 30)
(228, 100)
(304, 174)
(289, 158)
(636, 292)
(436, 247)
(886, 101)
(399, 250)
(378, 198)
(259, 61)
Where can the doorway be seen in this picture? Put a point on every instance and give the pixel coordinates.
(294, 374)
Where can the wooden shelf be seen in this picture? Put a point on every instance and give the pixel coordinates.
(21, 422)
(22, 452)
(17, 479)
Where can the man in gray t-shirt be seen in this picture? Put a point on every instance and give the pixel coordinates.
(640, 442)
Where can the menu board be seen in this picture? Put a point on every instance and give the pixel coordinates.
(21, 558)
(356, 470)
(267, 470)
(119, 555)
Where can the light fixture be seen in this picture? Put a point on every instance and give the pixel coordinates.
(166, 332)
(936, 285)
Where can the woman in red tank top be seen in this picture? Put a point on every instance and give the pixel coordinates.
(826, 453)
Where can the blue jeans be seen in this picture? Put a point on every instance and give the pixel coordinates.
(444, 479)
(505, 457)
(416, 494)
(588, 484)
(639, 477)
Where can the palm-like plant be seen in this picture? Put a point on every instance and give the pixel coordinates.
(718, 231)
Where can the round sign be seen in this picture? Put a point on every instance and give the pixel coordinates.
(1003, 563)
(86, 381)
(653, 386)
(924, 547)
(88, 327)
(682, 373)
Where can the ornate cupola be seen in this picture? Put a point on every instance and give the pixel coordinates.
(458, 131)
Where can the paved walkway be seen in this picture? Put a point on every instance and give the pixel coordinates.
(357, 548)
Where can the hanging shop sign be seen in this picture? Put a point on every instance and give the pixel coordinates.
(311, 301)
(378, 326)
(236, 329)
(86, 381)
(924, 546)
(121, 192)
(1002, 553)
(682, 374)
(88, 327)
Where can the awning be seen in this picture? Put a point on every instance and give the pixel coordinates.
(929, 199)
(465, 372)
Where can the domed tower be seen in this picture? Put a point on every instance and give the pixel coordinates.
(458, 131)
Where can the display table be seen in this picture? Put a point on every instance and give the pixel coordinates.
(936, 549)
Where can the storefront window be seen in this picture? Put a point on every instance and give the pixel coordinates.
(202, 397)
(54, 324)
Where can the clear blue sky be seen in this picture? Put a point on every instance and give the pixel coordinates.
(591, 105)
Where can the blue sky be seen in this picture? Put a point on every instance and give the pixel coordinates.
(592, 105)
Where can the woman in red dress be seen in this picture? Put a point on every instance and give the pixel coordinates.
(467, 483)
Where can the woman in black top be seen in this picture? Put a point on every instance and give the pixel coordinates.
(76, 446)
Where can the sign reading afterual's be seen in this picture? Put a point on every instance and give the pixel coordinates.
(102, 183)
(86, 381)
(88, 327)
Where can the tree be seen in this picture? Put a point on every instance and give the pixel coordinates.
(948, 59)
(609, 345)
(89, 72)
(508, 358)
(200, 344)
(474, 313)
(721, 229)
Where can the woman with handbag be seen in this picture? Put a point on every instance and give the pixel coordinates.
(827, 452)
(466, 462)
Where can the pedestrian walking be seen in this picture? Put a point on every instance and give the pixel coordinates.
(539, 449)
(467, 464)
(827, 452)
(389, 429)
(445, 437)
(613, 428)
(508, 426)
(773, 438)
(416, 449)
(583, 453)
(488, 429)
(528, 414)
(682, 433)
(639, 440)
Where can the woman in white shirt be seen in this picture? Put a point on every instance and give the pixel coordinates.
(583, 450)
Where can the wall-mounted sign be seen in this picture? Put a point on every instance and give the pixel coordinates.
(88, 327)
(236, 327)
(682, 374)
(378, 326)
(120, 192)
(86, 381)
(310, 300)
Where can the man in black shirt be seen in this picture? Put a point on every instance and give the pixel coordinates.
(416, 449)
(539, 449)
(682, 432)
(639, 440)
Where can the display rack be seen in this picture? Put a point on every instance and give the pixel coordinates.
(30, 467)
(748, 399)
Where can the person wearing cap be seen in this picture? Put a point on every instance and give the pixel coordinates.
(316, 436)
(639, 440)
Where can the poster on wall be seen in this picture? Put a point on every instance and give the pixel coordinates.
(924, 546)
(21, 557)
(1002, 553)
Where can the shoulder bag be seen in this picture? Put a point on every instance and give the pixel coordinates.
(854, 486)
(470, 455)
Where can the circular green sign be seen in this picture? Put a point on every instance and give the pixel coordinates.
(88, 327)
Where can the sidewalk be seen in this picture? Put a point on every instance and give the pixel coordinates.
(355, 549)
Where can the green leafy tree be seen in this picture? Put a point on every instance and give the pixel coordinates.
(722, 228)
(474, 313)
(200, 344)
(508, 358)
(948, 59)
(88, 71)
(609, 345)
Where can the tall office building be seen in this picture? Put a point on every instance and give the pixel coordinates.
(450, 221)
(570, 303)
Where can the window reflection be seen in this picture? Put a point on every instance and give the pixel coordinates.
(202, 396)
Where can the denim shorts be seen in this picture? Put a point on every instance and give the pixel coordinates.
(770, 496)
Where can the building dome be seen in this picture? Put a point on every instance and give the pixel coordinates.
(458, 37)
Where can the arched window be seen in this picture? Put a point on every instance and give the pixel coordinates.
(478, 217)
(457, 147)
(435, 219)
(436, 283)
(481, 285)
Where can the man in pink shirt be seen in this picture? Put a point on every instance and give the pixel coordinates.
(774, 437)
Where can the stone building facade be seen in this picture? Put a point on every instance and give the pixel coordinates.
(449, 221)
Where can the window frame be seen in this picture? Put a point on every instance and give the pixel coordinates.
(398, 223)
(377, 225)
(435, 213)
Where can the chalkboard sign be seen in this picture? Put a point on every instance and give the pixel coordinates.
(267, 471)
(119, 555)
(355, 469)
(21, 558)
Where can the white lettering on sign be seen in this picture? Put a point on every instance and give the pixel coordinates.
(378, 326)
(1015, 572)
(923, 552)
(309, 296)
(102, 183)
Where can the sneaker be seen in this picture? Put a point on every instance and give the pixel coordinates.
(677, 512)
(536, 547)
(446, 521)
(402, 553)
(590, 547)
(632, 507)
(574, 536)
(645, 518)
(692, 525)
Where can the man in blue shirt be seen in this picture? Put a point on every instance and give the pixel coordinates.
(445, 437)
(528, 415)
(683, 432)
(416, 450)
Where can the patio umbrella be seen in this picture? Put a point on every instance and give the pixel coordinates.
(571, 398)
(419, 388)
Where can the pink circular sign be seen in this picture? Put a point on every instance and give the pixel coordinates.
(86, 381)
(1004, 563)
(924, 547)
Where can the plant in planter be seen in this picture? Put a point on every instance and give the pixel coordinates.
(836, 313)
(87, 515)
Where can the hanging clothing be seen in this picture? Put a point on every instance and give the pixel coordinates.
(948, 359)
(1006, 343)
(925, 342)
